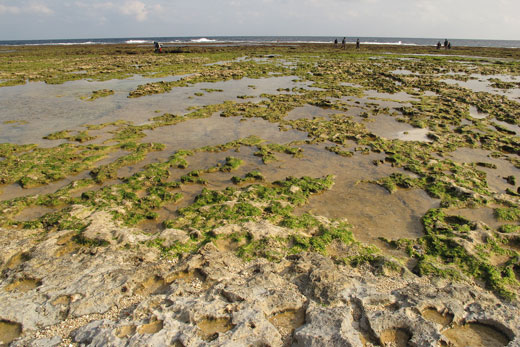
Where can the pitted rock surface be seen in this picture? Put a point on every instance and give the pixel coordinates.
(130, 296)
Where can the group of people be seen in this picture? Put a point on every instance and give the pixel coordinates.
(447, 44)
(344, 43)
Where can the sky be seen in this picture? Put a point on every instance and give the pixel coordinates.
(61, 19)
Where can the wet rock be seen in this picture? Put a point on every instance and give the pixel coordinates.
(257, 230)
(103, 228)
(170, 236)
(263, 229)
(69, 285)
(195, 233)
(51, 342)
(227, 229)
(327, 327)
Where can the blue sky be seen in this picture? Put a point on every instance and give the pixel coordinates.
(46, 19)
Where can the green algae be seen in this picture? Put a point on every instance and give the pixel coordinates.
(212, 73)
(509, 228)
(15, 122)
(44, 165)
(233, 145)
(80, 136)
(213, 209)
(96, 94)
(511, 180)
(510, 214)
(193, 177)
(212, 90)
(266, 152)
(231, 164)
(338, 150)
(60, 220)
(104, 125)
(439, 253)
(8, 149)
(138, 153)
(498, 83)
(249, 177)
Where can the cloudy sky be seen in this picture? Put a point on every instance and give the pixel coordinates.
(47, 19)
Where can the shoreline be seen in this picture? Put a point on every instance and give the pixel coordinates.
(116, 48)
(254, 40)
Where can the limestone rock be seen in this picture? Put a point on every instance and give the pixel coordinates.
(129, 296)
(328, 327)
(263, 229)
(170, 236)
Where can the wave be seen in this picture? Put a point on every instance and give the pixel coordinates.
(76, 43)
(399, 43)
(301, 41)
(137, 41)
(202, 40)
(62, 43)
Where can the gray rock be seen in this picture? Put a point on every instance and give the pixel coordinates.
(129, 296)
(327, 326)
(170, 236)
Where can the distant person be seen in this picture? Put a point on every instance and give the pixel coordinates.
(439, 45)
(157, 46)
(343, 42)
(446, 44)
(335, 42)
(357, 44)
(449, 45)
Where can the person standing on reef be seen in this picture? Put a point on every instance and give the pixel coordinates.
(335, 42)
(439, 45)
(343, 42)
(357, 43)
(446, 44)
(157, 46)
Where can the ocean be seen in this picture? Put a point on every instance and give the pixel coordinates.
(252, 40)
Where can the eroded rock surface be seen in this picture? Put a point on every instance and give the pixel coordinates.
(130, 296)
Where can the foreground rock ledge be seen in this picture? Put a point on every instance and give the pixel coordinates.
(59, 293)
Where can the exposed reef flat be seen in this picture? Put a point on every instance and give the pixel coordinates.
(118, 297)
(262, 195)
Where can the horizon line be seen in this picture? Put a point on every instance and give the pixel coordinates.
(210, 36)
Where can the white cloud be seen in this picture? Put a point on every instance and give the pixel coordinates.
(38, 8)
(105, 18)
(133, 8)
(136, 9)
(34, 7)
(103, 5)
(9, 9)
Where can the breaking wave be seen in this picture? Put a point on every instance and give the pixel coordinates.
(137, 41)
(202, 40)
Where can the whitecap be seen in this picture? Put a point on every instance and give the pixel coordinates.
(203, 39)
(137, 41)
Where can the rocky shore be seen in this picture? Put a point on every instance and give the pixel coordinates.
(54, 292)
